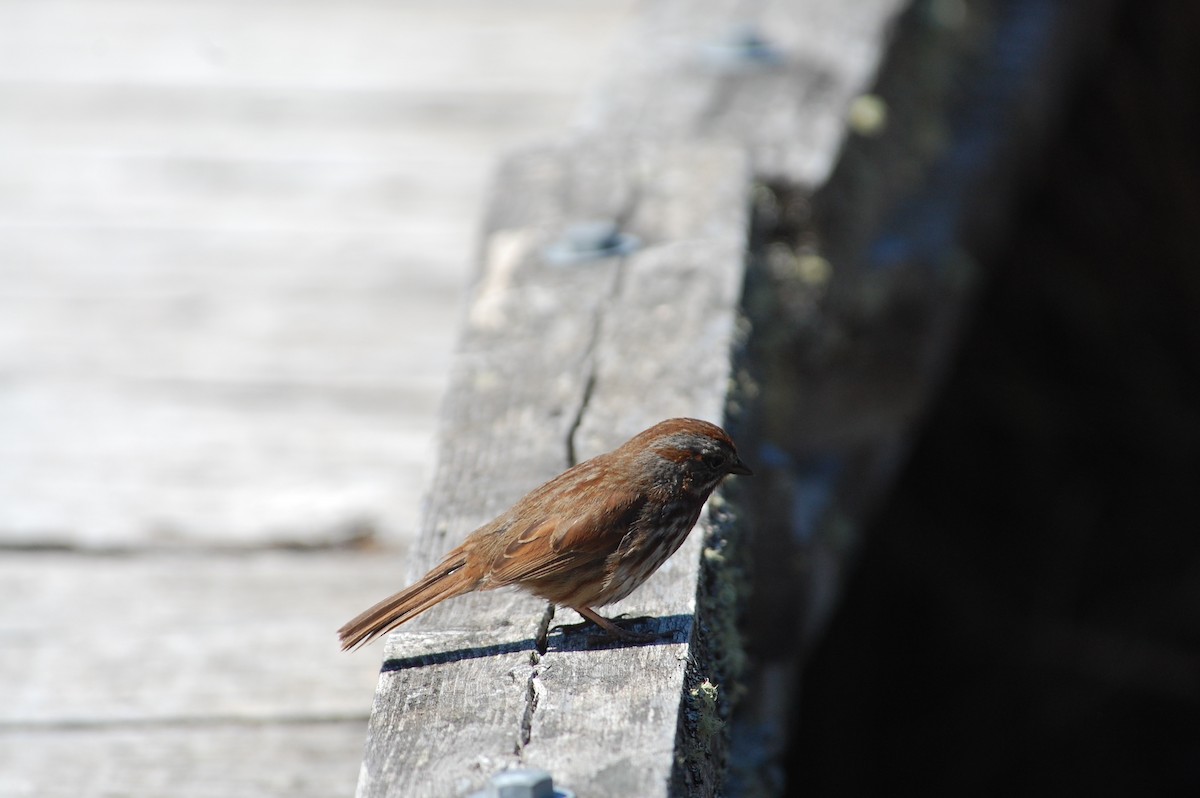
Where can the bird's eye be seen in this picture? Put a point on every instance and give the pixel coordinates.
(713, 461)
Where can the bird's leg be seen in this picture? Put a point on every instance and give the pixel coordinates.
(612, 629)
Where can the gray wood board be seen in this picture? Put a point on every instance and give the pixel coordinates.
(235, 236)
(181, 639)
(216, 760)
(558, 362)
(683, 72)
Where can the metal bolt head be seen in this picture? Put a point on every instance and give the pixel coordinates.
(744, 47)
(590, 240)
(523, 784)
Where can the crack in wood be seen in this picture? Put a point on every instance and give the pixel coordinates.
(532, 693)
(589, 386)
(534, 689)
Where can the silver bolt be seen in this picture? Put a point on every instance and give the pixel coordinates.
(525, 783)
(590, 240)
(744, 47)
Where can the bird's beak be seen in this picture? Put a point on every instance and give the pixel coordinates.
(738, 467)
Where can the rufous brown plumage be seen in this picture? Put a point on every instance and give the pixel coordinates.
(586, 538)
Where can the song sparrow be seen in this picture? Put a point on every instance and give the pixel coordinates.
(584, 539)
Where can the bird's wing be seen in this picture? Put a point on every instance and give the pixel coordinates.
(559, 542)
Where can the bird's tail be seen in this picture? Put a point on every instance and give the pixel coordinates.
(449, 579)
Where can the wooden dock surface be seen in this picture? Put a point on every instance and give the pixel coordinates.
(234, 239)
(561, 359)
(560, 362)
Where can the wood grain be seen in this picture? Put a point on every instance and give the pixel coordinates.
(570, 360)
(180, 639)
(557, 363)
(235, 237)
(223, 759)
(862, 286)
(678, 75)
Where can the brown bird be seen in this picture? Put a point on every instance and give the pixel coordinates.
(584, 539)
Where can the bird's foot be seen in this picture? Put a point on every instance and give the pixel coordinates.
(612, 632)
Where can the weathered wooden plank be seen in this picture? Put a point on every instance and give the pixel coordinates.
(100, 640)
(234, 236)
(546, 346)
(239, 191)
(865, 282)
(233, 239)
(182, 675)
(608, 721)
(227, 119)
(472, 45)
(516, 391)
(776, 77)
(215, 760)
(641, 364)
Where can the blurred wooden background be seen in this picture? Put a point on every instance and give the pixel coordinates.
(234, 238)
